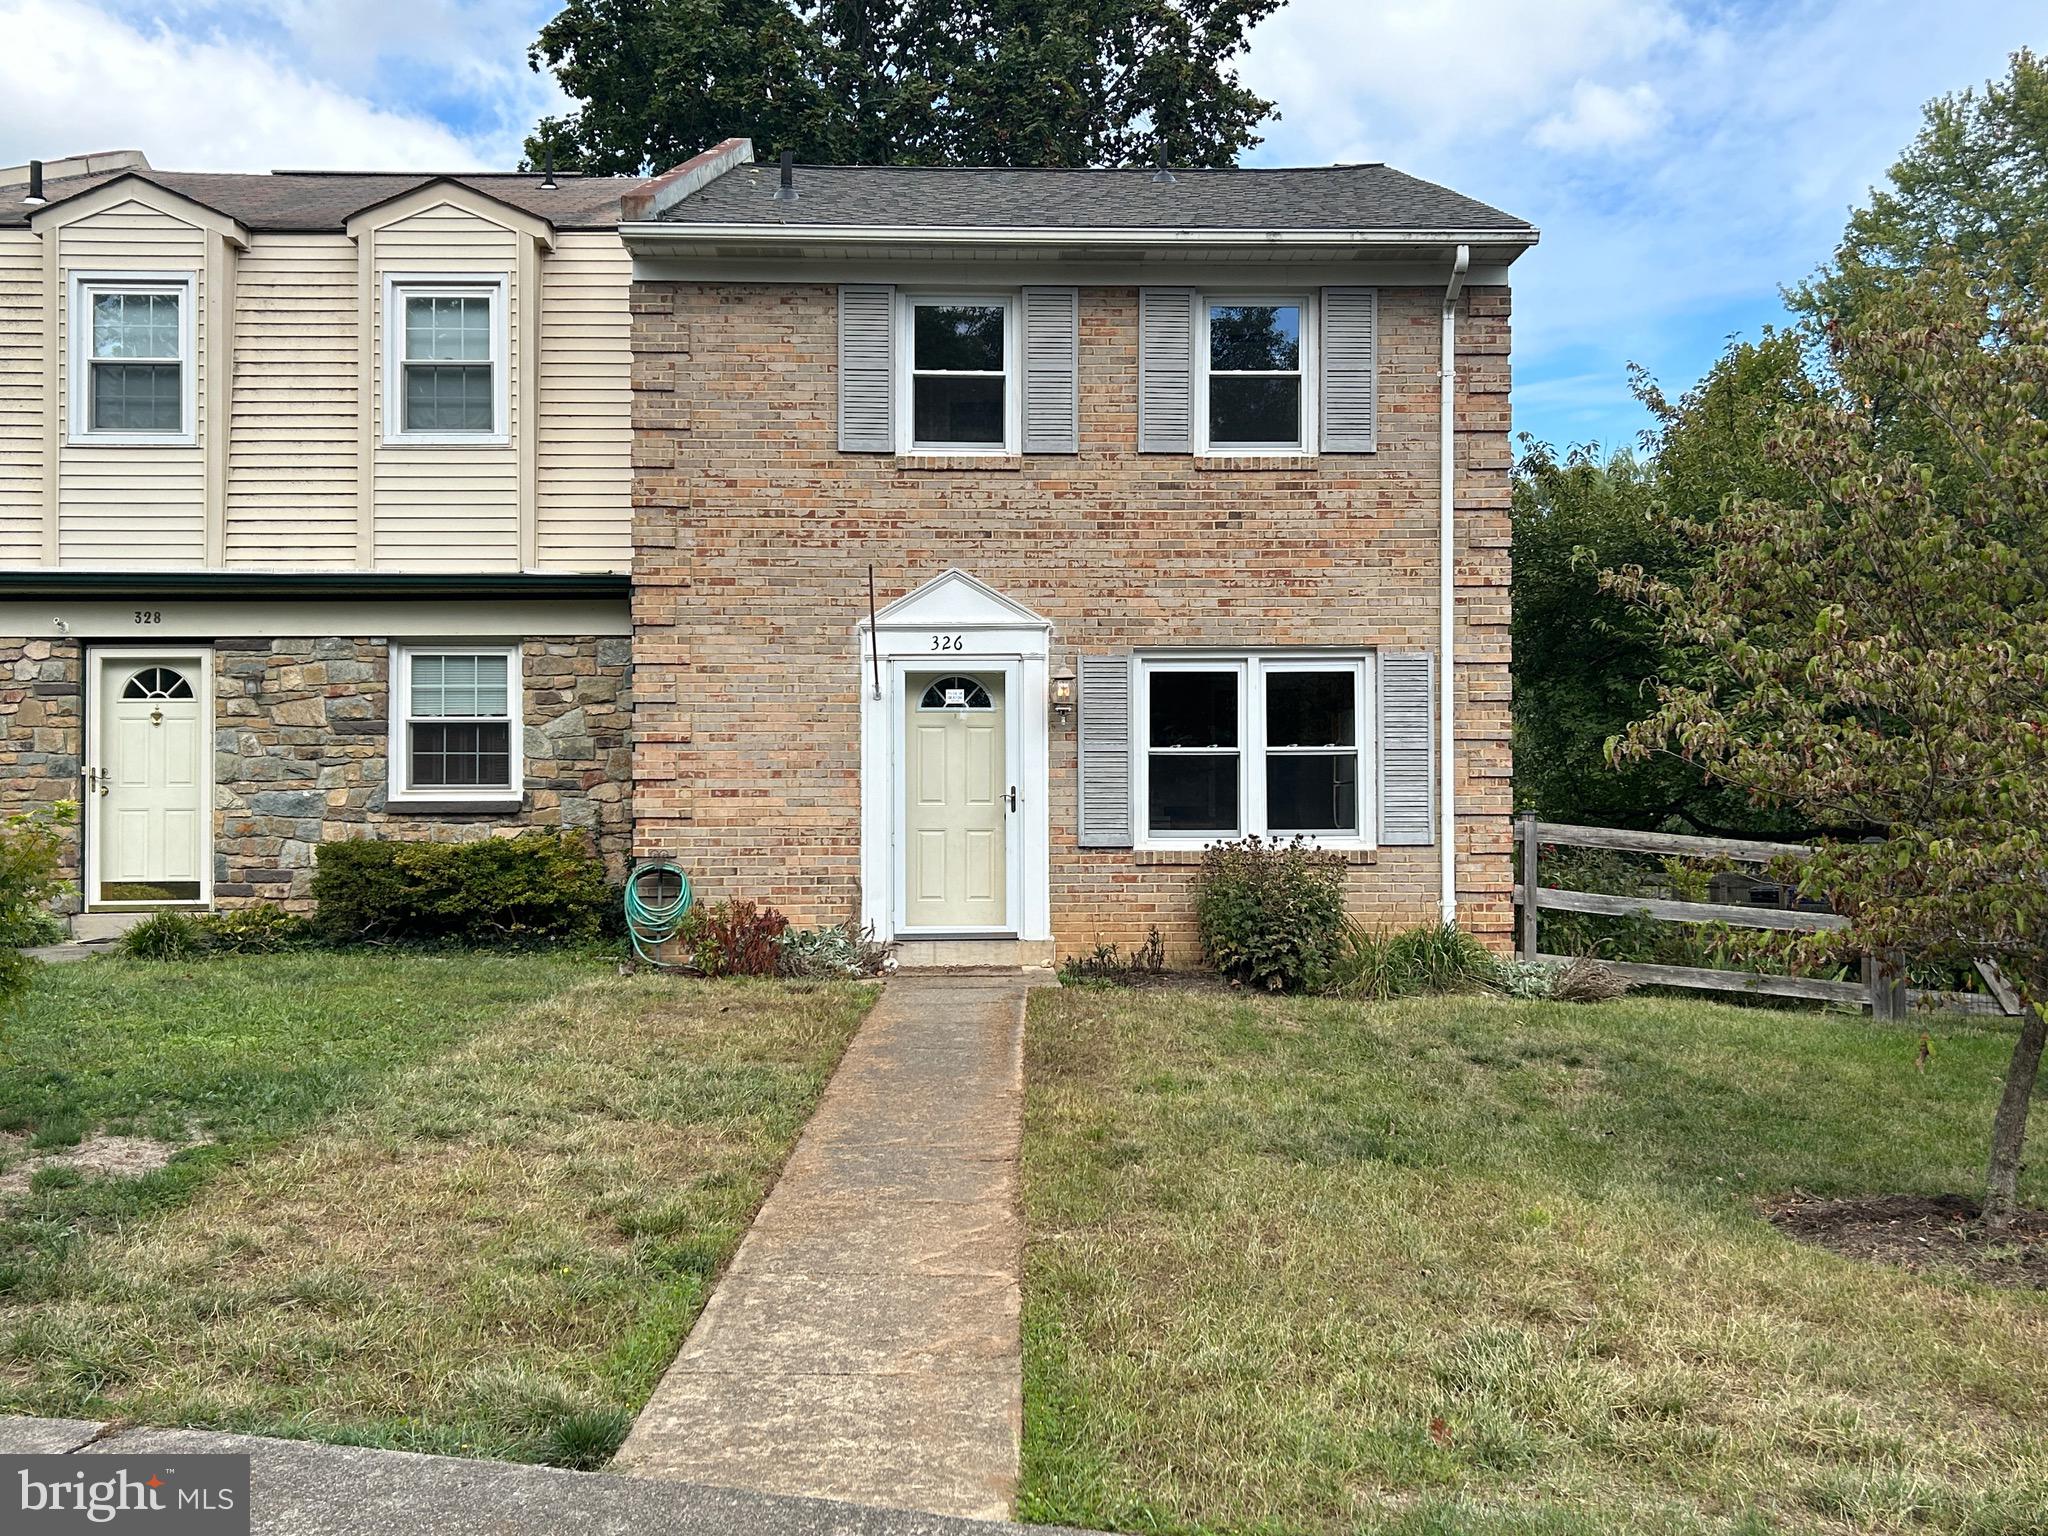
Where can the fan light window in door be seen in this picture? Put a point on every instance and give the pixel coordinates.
(157, 683)
(956, 693)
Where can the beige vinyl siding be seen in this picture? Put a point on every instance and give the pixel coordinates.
(132, 505)
(585, 503)
(291, 496)
(21, 398)
(440, 506)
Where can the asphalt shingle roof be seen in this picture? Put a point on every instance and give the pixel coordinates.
(308, 201)
(1338, 197)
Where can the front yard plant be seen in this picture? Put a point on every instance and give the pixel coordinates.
(1465, 1264)
(535, 887)
(464, 1202)
(1270, 913)
(31, 875)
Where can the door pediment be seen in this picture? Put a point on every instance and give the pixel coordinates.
(956, 600)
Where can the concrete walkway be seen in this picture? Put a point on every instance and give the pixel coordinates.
(301, 1489)
(864, 1344)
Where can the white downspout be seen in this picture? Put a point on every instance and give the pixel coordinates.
(1447, 809)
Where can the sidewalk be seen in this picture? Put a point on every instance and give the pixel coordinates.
(303, 1489)
(864, 1344)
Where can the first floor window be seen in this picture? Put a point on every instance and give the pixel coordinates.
(460, 721)
(133, 355)
(959, 374)
(1270, 744)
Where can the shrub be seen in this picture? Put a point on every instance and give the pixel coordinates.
(1363, 965)
(1529, 980)
(166, 935)
(263, 929)
(1271, 914)
(733, 938)
(538, 885)
(31, 874)
(822, 953)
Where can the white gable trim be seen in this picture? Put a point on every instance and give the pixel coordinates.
(957, 600)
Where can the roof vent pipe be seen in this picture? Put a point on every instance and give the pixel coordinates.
(1163, 177)
(547, 178)
(35, 198)
(786, 192)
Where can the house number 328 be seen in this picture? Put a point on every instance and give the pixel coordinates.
(948, 643)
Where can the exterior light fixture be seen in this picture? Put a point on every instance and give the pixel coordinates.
(1063, 694)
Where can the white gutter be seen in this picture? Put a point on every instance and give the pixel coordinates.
(1446, 597)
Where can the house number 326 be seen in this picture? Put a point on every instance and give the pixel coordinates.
(948, 643)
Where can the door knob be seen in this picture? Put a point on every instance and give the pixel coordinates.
(1013, 797)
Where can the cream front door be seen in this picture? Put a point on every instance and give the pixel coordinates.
(957, 805)
(149, 781)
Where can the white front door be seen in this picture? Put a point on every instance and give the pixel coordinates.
(957, 809)
(147, 781)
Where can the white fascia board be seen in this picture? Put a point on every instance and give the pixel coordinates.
(663, 235)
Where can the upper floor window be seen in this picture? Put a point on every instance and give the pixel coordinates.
(1256, 375)
(132, 358)
(445, 362)
(960, 383)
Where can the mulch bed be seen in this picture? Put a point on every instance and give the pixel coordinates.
(1922, 1232)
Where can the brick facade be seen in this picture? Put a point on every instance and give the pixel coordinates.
(753, 536)
(301, 747)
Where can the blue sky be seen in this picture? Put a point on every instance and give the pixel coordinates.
(1682, 160)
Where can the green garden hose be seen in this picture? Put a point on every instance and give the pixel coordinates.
(654, 918)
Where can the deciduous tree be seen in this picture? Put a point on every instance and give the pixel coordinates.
(1873, 652)
(924, 82)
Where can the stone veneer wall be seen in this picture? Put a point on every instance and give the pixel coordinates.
(41, 729)
(300, 747)
(753, 536)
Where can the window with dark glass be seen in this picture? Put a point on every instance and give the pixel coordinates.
(459, 721)
(958, 375)
(1193, 755)
(136, 362)
(1255, 376)
(1312, 752)
(446, 363)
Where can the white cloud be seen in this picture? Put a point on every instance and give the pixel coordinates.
(74, 77)
(1682, 160)
(1601, 117)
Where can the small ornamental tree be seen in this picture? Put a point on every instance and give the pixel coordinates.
(1876, 651)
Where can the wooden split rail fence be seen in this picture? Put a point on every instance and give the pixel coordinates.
(1880, 989)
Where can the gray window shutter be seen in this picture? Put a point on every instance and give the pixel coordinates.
(1350, 381)
(1052, 370)
(867, 368)
(1166, 370)
(1407, 755)
(1105, 752)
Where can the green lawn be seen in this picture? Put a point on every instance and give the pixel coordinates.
(1473, 1265)
(453, 1202)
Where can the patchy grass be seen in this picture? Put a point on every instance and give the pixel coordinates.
(1479, 1266)
(460, 1203)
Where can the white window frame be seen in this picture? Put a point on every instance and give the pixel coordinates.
(399, 792)
(85, 287)
(400, 286)
(1309, 363)
(906, 375)
(1251, 668)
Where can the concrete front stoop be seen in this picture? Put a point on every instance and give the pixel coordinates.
(864, 1344)
(991, 955)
